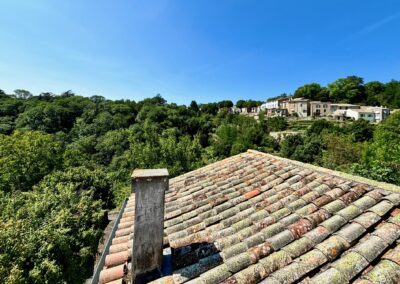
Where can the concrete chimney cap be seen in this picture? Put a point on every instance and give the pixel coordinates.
(141, 173)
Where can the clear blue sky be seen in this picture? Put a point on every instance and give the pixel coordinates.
(206, 50)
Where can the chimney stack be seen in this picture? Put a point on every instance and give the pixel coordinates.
(147, 253)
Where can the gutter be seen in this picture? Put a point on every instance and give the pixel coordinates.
(100, 265)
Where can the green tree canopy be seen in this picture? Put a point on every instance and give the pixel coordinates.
(22, 94)
(25, 158)
(312, 92)
(347, 90)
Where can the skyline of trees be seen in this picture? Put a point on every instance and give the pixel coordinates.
(350, 89)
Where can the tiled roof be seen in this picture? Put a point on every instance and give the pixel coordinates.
(258, 218)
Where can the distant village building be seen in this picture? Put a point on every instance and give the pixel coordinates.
(361, 113)
(274, 108)
(355, 112)
(272, 104)
(381, 113)
(318, 108)
(335, 107)
(303, 108)
(297, 106)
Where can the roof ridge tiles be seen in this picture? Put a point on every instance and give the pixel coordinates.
(383, 185)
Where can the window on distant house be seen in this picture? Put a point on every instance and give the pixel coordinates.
(304, 110)
(317, 106)
(301, 105)
(324, 106)
(362, 115)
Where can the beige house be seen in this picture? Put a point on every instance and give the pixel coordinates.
(318, 108)
(299, 106)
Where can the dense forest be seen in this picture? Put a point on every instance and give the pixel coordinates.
(66, 159)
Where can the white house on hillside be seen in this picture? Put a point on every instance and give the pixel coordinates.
(381, 113)
(365, 113)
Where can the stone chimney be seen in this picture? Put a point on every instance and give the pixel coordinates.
(147, 253)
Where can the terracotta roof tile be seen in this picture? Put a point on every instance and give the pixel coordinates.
(367, 219)
(384, 272)
(350, 265)
(393, 255)
(333, 246)
(351, 232)
(256, 218)
(330, 276)
(113, 273)
(388, 232)
(370, 248)
(117, 258)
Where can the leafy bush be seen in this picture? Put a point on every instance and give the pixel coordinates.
(26, 157)
(277, 123)
(50, 234)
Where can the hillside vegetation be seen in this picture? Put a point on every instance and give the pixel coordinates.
(66, 159)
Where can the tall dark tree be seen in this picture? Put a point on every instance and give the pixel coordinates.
(22, 94)
(391, 95)
(194, 106)
(225, 104)
(2, 94)
(312, 92)
(373, 90)
(347, 90)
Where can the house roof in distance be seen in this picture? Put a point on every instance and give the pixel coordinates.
(258, 218)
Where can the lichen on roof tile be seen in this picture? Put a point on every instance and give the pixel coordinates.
(388, 232)
(385, 271)
(330, 276)
(333, 246)
(350, 265)
(370, 248)
(382, 207)
(351, 232)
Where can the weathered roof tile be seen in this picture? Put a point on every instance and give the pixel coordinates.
(385, 271)
(239, 262)
(351, 232)
(275, 261)
(318, 234)
(330, 276)
(367, 219)
(298, 247)
(393, 255)
(281, 239)
(333, 247)
(350, 212)
(216, 274)
(300, 228)
(334, 206)
(382, 207)
(370, 248)
(252, 274)
(334, 223)
(365, 202)
(350, 265)
(388, 232)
